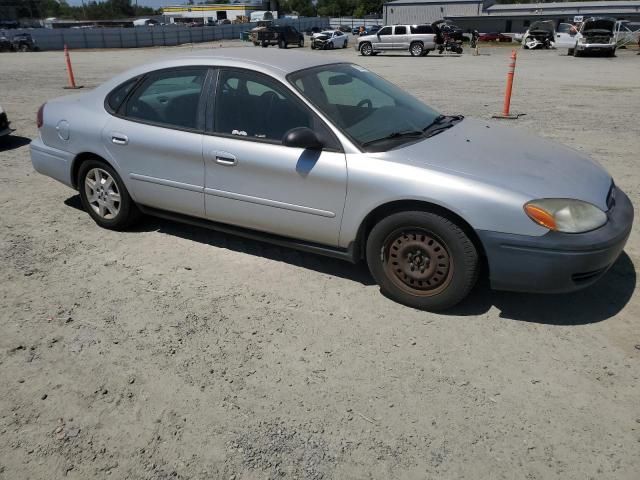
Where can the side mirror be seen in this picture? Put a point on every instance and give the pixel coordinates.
(302, 137)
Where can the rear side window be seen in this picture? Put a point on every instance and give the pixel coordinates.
(168, 97)
(401, 31)
(418, 29)
(118, 94)
(385, 31)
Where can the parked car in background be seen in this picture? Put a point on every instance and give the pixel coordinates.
(418, 40)
(323, 155)
(5, 44)
(344, 28)
(356, 30)
(596, 35)
(283, 36)
(541, 34)
(328, 40)
(494, 37)
(24, 42)
(5, 124)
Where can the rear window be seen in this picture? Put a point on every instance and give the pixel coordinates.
(401, 31)
(421, 29)
(117, 95)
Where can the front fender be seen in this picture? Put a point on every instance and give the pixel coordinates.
(374, 182)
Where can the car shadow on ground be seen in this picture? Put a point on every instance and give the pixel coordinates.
(358, 273)
(594, 304)
(11, 142)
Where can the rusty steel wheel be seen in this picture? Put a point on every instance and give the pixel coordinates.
(417, 261)
(422, 259)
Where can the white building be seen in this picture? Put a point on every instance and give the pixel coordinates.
(428, 11)
(210, 13)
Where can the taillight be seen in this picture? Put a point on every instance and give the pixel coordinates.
(39, 117)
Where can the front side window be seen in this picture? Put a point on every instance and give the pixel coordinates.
(385, 31)
(168, 98)
(255, 106)
(375, 113)
(401, 30)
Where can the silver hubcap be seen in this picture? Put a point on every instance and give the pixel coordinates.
(417, 49)
(366, 49)
(102, 193)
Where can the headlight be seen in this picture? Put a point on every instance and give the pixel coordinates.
(565, 215)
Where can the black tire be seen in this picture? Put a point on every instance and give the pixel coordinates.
(576, 52)
(265, 44)
(416, 239)
(612, 53)
(313, 46)
(366, 49)
(416, 49)
(128, 212)
(282, 44)
(301, 43)
(570, 51)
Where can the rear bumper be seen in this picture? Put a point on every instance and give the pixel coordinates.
(557, 262)
(51, 161)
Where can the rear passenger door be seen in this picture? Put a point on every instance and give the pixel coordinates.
(155, 139)
(252, 180)
(400, 38)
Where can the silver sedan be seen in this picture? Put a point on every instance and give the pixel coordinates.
(325, 156)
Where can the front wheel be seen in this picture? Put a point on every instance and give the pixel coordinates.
(301, 43)
(366, 49)
(422, 260)
(105, 197)
(282, 44)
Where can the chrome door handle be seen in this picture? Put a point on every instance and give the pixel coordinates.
(226, 160)
(119, 139)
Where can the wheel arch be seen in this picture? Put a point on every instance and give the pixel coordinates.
(396, 206)
(80, 159)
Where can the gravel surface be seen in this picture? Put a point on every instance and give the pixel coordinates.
(173, 352)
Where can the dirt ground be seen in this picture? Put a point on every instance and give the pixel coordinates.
(174, 352)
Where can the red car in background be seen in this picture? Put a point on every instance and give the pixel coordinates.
(494, 37)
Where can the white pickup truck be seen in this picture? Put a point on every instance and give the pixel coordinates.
(419, 40)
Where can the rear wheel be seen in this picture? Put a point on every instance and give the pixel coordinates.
(265, 44)
(301, 43)
(416, 49)
(366, 49)
(576, 52)
(282, 44)
(422, 260)
(105, 197)
(570, 51)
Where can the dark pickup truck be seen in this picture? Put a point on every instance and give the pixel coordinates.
(281, 36)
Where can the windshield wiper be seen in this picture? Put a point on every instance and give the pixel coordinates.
(440, 124)
(394, 135)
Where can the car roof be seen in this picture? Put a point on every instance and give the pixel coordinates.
(272, 61)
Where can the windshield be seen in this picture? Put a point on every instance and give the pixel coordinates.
(374, 113)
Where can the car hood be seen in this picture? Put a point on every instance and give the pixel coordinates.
(546, 26)
(511, 159)
(601, 24)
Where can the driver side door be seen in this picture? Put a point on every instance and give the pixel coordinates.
(254, 181)
(385, 39)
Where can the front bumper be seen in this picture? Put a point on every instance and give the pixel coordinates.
(557, 262)
(595, 47)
